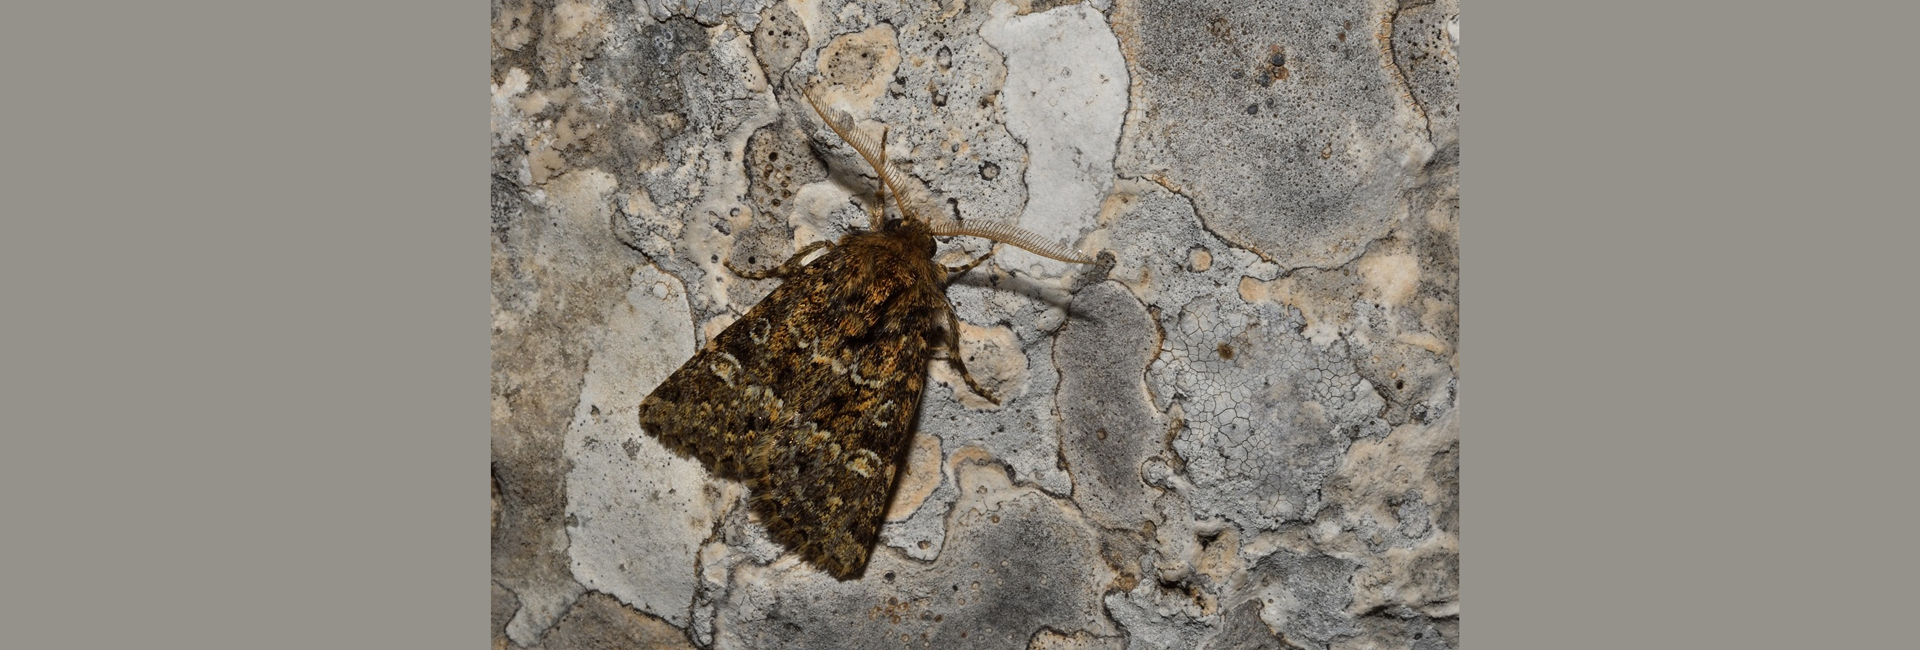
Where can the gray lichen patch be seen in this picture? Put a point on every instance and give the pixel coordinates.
(676, 144)
(1016, 562)
(1413, 631)
(1304, 598)
(1426, 44)
(1302, 162)
(1265, 413)
(707, 12)
(1164, 616)
(1111, 424)
(1395, 307)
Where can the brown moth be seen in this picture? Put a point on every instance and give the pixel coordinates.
(810, 398)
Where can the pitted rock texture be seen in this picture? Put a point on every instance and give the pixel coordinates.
(1241, 430)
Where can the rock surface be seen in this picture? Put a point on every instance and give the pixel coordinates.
(1241, 431)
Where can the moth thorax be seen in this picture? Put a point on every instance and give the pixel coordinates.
(912, 232)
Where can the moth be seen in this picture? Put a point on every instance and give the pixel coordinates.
(810, 398)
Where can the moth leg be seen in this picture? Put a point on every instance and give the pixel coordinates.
(877, 211)
(792, 264)
(953, 359)
(954, 272)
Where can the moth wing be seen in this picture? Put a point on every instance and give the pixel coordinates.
(712, 410)
(828, 487)
(809, 399)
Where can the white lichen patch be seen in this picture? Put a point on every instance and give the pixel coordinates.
(1065, 98)
(623, 485)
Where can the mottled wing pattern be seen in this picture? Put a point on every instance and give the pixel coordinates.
(810, 398)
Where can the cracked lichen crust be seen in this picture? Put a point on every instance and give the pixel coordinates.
(1267, 414)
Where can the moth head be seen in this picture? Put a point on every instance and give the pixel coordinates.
(911, 231)
(916, 208)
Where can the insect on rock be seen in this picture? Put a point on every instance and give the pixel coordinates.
(810, 398)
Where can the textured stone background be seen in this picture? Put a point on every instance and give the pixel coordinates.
(1243, 434)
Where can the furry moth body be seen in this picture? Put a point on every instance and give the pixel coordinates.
(810, 398)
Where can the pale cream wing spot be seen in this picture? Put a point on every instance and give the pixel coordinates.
(813, 437)
(725, 366)
(799, 335)
(880, 413)
(863, 463)
(860, 380)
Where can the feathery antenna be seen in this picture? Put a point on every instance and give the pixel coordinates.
(912, 199)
